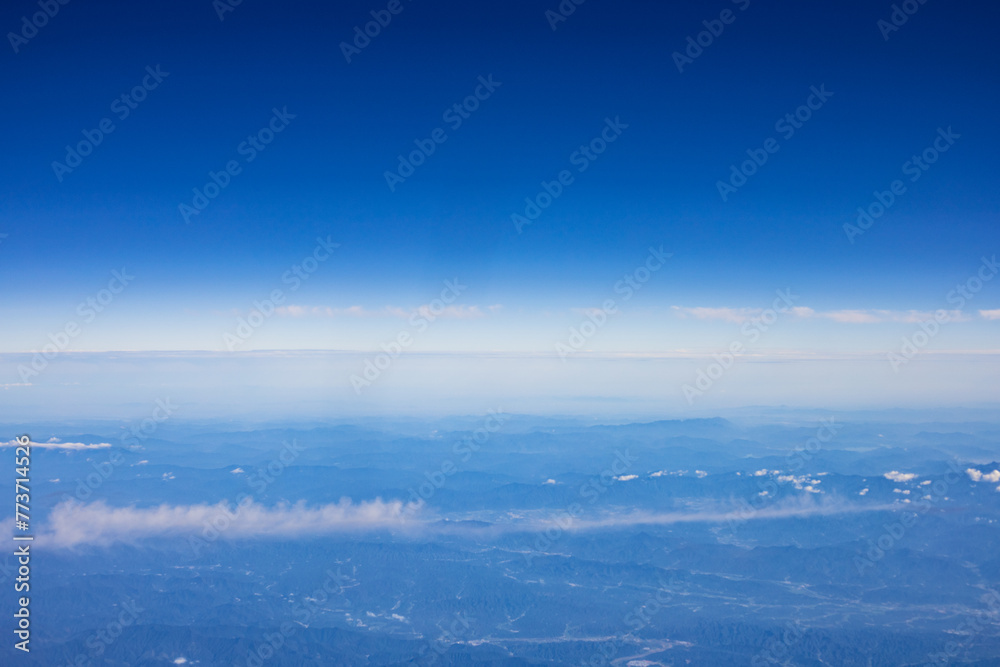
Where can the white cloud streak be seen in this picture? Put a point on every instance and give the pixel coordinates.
(790, 511)
(72, 524)
(455, 312)
(848, 316)
(734, 315)
(55, 444)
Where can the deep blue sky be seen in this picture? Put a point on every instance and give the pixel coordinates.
(656, 185)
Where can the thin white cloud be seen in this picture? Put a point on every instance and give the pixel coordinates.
(850, 316)
(72, 523)
(880, 316)
(990, 314)
(54, 444)
(456, 312)
(896, 476)
(734, 315)
(804, 508)
(452, 312)
(846, 316)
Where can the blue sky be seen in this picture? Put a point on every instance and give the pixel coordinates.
(656, 185)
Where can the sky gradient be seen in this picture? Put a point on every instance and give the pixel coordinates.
(300, 139)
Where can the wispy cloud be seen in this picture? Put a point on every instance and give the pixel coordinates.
(735, 315)
(847, 316)
(880, 316)
(796, 509)
(55, 444)
(990, 314)
(457, 312)
(71, 523)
